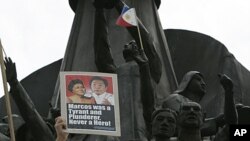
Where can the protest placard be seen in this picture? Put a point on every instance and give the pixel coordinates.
(89, 103)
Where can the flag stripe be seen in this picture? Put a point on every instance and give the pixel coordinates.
(127, 17)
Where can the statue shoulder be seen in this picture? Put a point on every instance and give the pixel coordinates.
(174, 101)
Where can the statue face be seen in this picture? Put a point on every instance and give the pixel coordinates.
(164, 124)
(197, 85)
(78, 89)
(190, 115)
(98, 87)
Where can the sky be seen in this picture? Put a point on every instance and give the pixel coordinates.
(34, 33)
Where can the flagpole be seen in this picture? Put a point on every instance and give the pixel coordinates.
(138, 29)
(142, 24)
(7, 99)
(139, 33)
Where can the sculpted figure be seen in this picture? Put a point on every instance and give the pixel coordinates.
(163, 124)
(230, 112)
(103, 57)
(160, 123)
(230, 115)
(243, 114)
(105, 63)
(191, 88)
(60, 123)
(35, 128)
(190, 120)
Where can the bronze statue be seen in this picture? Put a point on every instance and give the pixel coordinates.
(190, 120)
(230, 113)
(79, 53)
(35, 128)
(103, 57)
(80, 49)
(160, 123)
(191, 88)
(163, 124)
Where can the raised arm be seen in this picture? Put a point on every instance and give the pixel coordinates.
(147, 90)
(231, 116)
(40, 130)
(149, 46)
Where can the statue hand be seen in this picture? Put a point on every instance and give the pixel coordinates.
(220, 120)
(226, 82)
(139, 55)
(11, 74)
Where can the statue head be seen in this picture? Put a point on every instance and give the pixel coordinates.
(192, 82)
(243, 113)
(190, 116)
(163, 123)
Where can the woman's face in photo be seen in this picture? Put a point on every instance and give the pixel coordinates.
(78, 89)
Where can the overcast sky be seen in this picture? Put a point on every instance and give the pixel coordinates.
(35, 33)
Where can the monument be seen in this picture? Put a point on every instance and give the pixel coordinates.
(189, 51)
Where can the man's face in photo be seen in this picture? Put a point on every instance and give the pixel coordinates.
(98, 87)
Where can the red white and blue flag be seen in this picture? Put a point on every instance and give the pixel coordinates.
(128, 17)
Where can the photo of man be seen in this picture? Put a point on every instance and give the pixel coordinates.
(87, 103)
(99, 88)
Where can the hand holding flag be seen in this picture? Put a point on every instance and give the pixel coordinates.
(128, 18)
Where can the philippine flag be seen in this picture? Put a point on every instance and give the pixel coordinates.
(127, 18)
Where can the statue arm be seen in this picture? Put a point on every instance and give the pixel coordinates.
(148, 46)
(147, 95)
(231, 116)
(147, 90)
(103, 56)
(40, 130)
